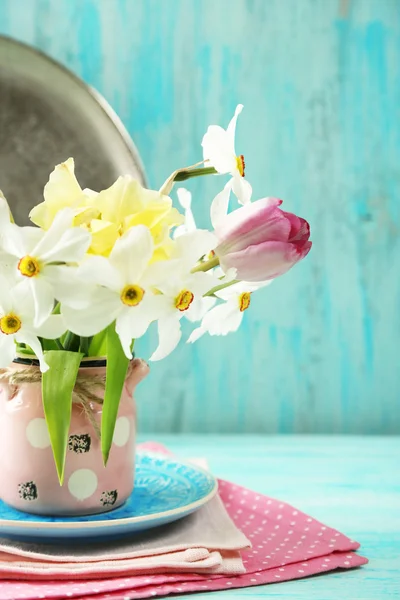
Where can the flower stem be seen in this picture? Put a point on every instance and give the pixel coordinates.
(185, 173)
(207, 265)
(221, 287)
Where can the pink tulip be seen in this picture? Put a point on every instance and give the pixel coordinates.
(261, 241)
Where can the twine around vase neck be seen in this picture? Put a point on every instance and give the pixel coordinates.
(83, 394)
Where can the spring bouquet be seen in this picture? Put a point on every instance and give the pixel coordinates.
(98, 268)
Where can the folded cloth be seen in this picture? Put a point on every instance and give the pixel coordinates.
(287, 544)
(194, 560)
(205, 542)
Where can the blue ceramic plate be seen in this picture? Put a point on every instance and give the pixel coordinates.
(165, 490)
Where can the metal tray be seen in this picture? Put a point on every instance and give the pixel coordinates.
(47, 114)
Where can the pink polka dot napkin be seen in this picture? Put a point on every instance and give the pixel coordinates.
(206, 542)
(286, 544)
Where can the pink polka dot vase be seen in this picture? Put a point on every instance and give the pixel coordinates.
(28, 476)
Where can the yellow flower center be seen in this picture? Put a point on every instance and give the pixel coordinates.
(244, 301)
(241, 165)
(10, 324)
(132, 295)
(184, 299)
(29, 266)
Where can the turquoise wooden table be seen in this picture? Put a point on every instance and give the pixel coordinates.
(350, 483)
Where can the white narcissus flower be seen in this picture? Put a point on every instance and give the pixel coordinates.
(182, 291)
(17, 324)
(219, 152)
(5, 221)
(124, 293)
(219, 206)
(185, 200)
(227, 317)
(4, 212)
(38, 259)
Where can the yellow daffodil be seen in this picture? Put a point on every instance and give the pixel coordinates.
(127, 204)
(109, 214)
(62, 191)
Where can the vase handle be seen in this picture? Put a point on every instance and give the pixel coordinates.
(138, 370)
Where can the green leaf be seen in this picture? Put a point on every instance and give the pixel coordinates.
(57, 309)
(50, 344)
(182, 175)
(22, 349)
(117, 367)
(71, 342)
(84, 345)
(98, 345)
(57, 387)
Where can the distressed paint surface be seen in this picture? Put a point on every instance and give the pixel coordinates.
(320, 81)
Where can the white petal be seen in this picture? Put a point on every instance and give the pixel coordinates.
(123, 330)
(98, 270)
(196, 335)
(22, 300)
(71, 247)
(150, 309)
(25, 336)
(51, 238)
(184, 197)
(43, 299)
(130, 326)
(103, 310)
(4, 213)
(218, 150)
(6, 304)
(185, 200)
(199, 308)
(220, 204)
(241, 188)
(20, 241)
(192, 246)
(223, 319)
(200, 283)
(132, 253)
(169, 335)
(7, 350)
(232, 291)
(68, 288)
(239, 288)
(8, 267)
(19, 302)
(225, 276)
(162, 275)
(231, 130)
(181, 230)
(134, 321)
(53, 328)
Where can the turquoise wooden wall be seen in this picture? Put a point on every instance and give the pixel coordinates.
(320, 81)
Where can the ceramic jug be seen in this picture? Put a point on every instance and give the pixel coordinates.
(28, 477)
